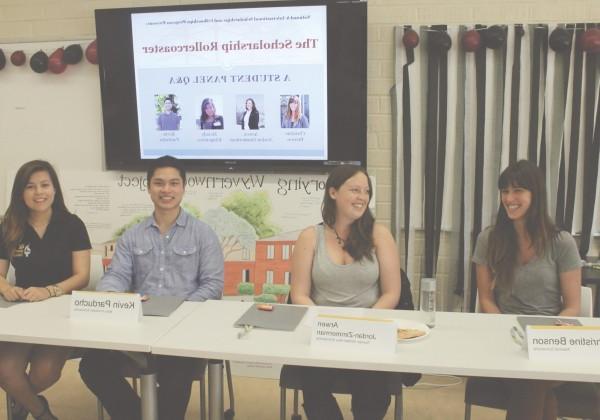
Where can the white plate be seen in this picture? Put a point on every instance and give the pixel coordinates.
(408, 324)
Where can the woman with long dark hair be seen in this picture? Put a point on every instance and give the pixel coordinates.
(348, 260)
(50, 251)
(251, 116)
(209, 120)
(526, 265)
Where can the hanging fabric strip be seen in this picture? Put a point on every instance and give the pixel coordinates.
(469, 177)
(532, 152)
(398, 194)
(441, 150)
(514, 97)
(561, 190)
(494, 86)
(480, 65)
(541, 140)
(406, 143)
(460, 271)
(575, 133)
(507, 96)
(557, 76)
(417, 74)
(592, 140)
(451, 206)
(431, 150)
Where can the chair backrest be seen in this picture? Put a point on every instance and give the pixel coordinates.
(96, 271)
(406, 299)
(586, 308)
(10, 275)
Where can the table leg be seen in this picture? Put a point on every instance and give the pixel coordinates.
(215, 390)
(146, 363)
(149, 398)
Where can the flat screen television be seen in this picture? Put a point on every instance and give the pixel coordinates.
(265, 86)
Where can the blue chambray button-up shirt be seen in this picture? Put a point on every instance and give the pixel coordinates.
(187, 261)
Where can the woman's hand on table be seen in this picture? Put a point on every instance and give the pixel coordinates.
(35, 294)
(12, 293)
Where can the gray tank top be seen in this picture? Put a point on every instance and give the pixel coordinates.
(354, 285)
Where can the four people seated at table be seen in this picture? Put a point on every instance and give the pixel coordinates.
(526, 265)
(348, 260)
(50, 250)
(169, 253)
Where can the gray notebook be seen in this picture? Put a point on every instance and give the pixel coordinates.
(524, 321)
(282, 317)
(161, 305)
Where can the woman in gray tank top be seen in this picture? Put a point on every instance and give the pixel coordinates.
(348, 260)
(526, 265)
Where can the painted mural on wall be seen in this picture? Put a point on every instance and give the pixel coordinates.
(257, 218)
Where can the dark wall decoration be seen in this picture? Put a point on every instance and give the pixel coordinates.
(468, 101)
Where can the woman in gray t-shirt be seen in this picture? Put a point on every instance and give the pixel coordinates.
(349, 260)
(525, 265)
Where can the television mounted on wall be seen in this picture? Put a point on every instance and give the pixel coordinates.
(265, 86)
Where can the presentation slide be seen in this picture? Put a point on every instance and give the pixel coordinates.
(232, 83)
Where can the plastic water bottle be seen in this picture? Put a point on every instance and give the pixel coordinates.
(427, 301)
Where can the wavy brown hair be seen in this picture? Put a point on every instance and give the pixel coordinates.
(360, 241)
(503, 249)
(294, 116)
(17, 213)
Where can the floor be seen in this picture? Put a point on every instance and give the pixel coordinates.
(435, 397)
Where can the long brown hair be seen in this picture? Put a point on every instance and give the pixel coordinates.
(15, 218)
(360, 241)
(294, 116)
(503, 249)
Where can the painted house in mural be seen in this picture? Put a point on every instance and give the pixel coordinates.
(270, 264)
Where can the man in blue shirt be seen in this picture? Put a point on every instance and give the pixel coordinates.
(170, 253)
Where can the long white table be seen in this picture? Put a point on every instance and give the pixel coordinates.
(48, 322)
(461, 344)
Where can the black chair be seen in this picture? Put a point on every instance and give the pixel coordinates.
(290, 377)
(199, 375)
(575, 399)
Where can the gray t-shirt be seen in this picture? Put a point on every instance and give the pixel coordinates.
(355, 285)
(536, 287)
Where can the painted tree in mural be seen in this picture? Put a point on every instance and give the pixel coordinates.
(234, 232)
(255, 208)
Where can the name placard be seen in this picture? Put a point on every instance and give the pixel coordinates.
(344, 333)
(574, 343)
(102, 306)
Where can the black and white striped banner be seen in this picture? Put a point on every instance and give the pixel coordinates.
(468, 100)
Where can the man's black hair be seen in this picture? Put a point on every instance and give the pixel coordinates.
(165, 162)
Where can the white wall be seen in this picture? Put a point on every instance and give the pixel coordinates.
(48, 116)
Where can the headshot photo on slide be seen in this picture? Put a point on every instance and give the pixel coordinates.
(294, 111)
(167, 110)
(248, 114)
(209, 117)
